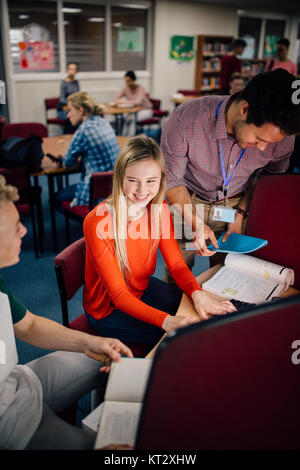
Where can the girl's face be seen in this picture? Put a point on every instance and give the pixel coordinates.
(141, 182)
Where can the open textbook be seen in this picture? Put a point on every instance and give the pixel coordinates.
(122, 405)
(249, 279)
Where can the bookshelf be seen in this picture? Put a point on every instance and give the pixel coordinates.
(251, 67)
(210, 50)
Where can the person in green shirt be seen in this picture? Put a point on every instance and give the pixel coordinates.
(31, 395)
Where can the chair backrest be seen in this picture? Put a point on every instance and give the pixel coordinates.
(17, 177)
(155, 103)
(227, 383)
(24, 129)
(274, 216)
(51, 103)
(189, 92)
(69, 269)
(100, 186)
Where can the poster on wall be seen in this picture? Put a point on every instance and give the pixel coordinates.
(182, 48)
(37, 55)
(270, 45)
(130, 39)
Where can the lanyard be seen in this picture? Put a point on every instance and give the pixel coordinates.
(227, 180)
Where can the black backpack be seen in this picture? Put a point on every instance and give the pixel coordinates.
(16, 152)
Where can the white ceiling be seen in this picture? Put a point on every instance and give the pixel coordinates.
(283, 6)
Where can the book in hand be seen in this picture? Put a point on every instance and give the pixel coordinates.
(123, 402)
(237, 243)
(249, 279)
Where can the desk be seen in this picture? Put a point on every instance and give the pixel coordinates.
(58, 146)
(119, 112)
(186, 306)
(183, 99)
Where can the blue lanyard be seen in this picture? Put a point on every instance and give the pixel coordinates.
(226, 180)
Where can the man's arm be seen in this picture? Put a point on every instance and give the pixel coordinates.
(48, 334)
(180, 198)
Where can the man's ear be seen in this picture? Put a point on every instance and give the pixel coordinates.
(244, 108)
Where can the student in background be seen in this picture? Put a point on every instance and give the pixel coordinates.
(94, 141)
(236, 84)
(133, 95)
(32, 394)
(123, 234)
(281, 59)
(67, 87)
(230, 63)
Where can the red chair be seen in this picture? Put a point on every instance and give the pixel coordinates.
(51, 104)
(69, 269)
(30, 199)
(158, 114)
(24, 129)
(274, 216)
(100, 188)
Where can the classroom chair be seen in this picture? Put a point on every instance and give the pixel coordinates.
(24, 129)
(29, 202)
(69, 269)
(100, 188)
(158, 115)
(229, 383)
(274, 216)
(51, 104)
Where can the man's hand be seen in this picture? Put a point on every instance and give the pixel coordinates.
(172, 323)
(106, 350)
(204, 233)
(205, 305)
(236, 227)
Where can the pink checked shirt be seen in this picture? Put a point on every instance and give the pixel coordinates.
(190, 145)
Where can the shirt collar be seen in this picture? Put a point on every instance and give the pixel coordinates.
(221, 132)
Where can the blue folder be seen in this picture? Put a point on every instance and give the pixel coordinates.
(237, 243)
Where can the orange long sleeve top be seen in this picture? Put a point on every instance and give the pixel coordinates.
(105, 288)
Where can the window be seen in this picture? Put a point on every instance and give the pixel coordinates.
(128, 31)
(249, 29)
(85, 35)
(33, 36)
(274, 31)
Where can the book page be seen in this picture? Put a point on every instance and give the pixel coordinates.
(128, 379)
(118, 425)
(233, 284)
(259, 267)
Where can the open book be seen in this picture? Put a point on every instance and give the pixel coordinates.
(123, 402)
(249, 279)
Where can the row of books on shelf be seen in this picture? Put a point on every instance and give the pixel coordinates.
(209, 83)
(252, 68)
(215, 48)
(211, 65)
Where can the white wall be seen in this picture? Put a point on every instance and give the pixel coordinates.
(171, 18)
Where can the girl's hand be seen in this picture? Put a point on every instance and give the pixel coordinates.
(205, 305)
(172, 323)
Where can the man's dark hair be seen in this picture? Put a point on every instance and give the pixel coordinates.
(239, 43)
(269, 95)
(283, 42)
(130, 74)
(73, 63)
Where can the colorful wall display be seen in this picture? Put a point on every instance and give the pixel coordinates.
(38, 55)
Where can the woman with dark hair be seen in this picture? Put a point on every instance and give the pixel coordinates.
(133, 94)
(68, 86)
(281, 60)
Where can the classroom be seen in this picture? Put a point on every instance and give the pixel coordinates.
(149, 207)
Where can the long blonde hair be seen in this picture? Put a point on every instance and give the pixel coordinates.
(135, 150)
(87, 102)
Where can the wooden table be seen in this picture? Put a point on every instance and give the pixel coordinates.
(118, 112)
(58, 146)
(186, 306)
(183, 99)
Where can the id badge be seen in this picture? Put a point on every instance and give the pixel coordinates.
(223, 214)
